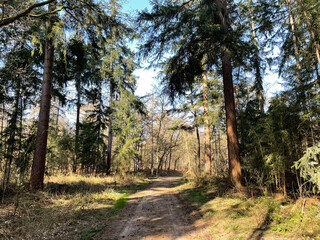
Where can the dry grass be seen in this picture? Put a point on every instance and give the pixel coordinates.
(70, 207)
(228, 216)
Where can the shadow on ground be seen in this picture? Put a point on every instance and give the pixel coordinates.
(158, 212)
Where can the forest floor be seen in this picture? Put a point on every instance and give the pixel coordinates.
(171, 208)
(88, 208)
(154, 213)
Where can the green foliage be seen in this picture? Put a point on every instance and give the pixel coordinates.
(129, 117)
(120, 203)
(198, 197)
(308, 166)
(89, 233)
(286, 223)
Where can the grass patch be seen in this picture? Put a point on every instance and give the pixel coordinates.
(89, 233)
(120, 203)
(69, 208)
(229, 215)
(198, 197)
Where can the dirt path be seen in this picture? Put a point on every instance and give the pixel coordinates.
(155, 213)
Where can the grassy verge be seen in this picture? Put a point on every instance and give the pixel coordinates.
(70, 207)
(228, 215)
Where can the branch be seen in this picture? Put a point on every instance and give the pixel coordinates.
(47, 13)
(24, 13)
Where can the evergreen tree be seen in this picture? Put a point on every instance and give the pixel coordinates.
(197, 35)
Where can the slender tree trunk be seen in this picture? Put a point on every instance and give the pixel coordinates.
(76, 145)
(2, 133)
(231, 123)
(58, 113)
(152, 149)
(195, 114)
(258, 81)
(313, 35)
(216, 156)
(213, 159)
(158, 137)
(298, 63)
(207, 157)
(170, 158)
(39, 159)
(295, 43)
(99, 119)
(110, 132)
(237, 92)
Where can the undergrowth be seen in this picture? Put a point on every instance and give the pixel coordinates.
(70, 207)
(230, 215)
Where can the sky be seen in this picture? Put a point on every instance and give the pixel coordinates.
(146, 78)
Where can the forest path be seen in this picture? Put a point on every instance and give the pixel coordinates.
(154, 213)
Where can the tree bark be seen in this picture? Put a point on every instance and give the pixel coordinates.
(195, 115)
(152, 148)
(231, 123)
(237, 93)
(295, 43)
(207, 157)
(313, 35)
(76, 145)
(110, 132)
(258, 81)
(39, 159)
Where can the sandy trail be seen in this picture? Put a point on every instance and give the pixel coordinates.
(155, 213)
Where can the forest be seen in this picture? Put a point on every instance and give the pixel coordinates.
(77, 142)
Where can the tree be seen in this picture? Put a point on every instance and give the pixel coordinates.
(231, 122)
(128, 125)
(6, 19)
(95, 25)
(118, 64)
(197, 36)
(38, 165)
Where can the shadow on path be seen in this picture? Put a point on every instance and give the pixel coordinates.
(155, 213)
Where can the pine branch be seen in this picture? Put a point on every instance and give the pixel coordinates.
(24, 13)
(47, 13)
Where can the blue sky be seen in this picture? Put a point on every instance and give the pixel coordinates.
(133, 5)
(146, 78)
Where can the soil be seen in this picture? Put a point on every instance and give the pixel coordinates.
(155, 213)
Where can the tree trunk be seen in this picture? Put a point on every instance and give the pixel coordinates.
(58, 113)
(152, 149)
(258, 81)
(39, 159)
(170, 157)
(237, 93)
(295, 43)
(231, 123)
(313, 35)
(196, 131)
(78, 88)
(110, 132)
(207, 157)
(3, 147)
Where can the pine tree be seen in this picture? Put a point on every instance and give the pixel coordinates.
(38, 166)
(197, 37)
